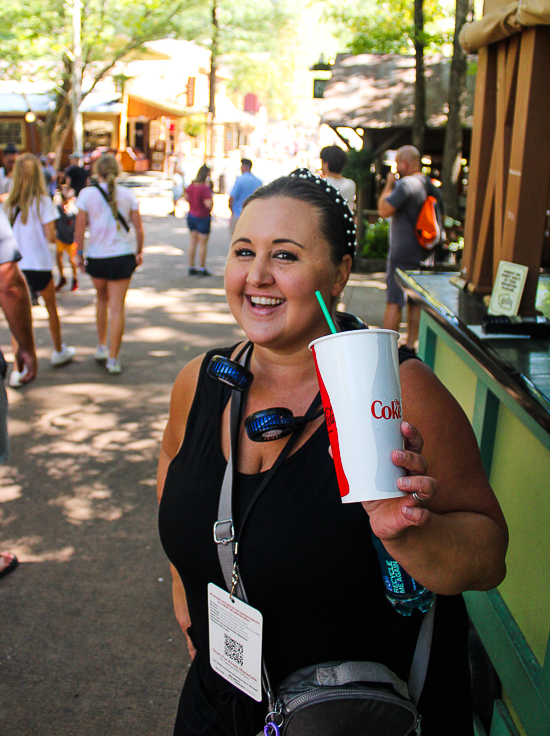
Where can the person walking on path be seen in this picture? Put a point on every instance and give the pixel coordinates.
(245, 185)
(401, 200)
(9, 157)
(333, 162)
(111, 257)
(16, 305)
(64, 237)
(199, 196)
(76, 175)
(32, 215)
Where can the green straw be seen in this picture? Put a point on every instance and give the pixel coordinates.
(326, 312)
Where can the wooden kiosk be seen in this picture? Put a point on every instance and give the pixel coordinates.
(503, 384)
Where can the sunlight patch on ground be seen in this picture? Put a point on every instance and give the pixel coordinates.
(166, 250)
(10, 493)
(98, 392)
(24, 547)
(17, 427)
(160, 353)
(153, 334)
(90, 503)
(381, 285)
(211, 292)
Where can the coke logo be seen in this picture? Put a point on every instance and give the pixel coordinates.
(329, 416)
(386, 412)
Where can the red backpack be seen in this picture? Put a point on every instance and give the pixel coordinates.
(429, 228)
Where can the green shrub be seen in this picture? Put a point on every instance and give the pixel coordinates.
(376, 240)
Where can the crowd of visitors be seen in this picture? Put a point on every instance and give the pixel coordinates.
(45, 206)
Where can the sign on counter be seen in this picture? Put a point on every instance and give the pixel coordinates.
(508, 288)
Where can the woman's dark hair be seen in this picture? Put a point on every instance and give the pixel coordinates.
(337, 230)
(202, 174)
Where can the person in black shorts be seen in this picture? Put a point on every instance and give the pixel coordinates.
(111, 256)
(32, 215)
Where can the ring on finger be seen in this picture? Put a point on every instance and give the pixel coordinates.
(417, 497)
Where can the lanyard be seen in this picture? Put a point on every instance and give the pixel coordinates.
(226, 539)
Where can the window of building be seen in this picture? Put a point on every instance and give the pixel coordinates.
(11, 131)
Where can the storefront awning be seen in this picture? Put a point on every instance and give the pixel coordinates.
(147, 107)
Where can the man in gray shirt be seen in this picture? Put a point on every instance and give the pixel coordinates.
(402, 199)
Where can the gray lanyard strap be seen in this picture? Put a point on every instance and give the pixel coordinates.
(227, 542)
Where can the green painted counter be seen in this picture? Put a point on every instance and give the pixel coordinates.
(503, 385)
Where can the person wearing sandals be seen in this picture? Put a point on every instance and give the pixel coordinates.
(199, 219)
(111, 257)
(32, 215)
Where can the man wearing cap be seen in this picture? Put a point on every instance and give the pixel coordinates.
(244, 186)
(9, 156)
(75, 174)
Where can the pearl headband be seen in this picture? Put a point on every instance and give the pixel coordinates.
(341, 203)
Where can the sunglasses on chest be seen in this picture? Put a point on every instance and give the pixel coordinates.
(268, 424)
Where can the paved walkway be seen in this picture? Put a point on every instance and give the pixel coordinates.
(88, 642)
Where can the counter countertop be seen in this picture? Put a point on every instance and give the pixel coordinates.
(521, 366)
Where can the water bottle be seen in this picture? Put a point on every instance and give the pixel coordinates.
(402, 591)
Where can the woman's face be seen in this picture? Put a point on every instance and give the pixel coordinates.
(278, 259)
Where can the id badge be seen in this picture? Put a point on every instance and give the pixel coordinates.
(235, 636)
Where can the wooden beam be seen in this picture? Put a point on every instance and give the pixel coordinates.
(529, 170)
(482, 141)
(506, 86)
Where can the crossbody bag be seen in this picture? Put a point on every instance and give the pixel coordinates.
(342, 698)
(120, 217)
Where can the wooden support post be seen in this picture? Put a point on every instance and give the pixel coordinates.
(480, 273)
(529, 170)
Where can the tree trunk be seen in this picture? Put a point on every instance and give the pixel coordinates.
(452, 152)
(419, 123)
(214, 51)
(59, 122)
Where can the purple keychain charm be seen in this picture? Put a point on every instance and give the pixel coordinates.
(271, 729)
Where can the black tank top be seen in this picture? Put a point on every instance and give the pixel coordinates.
(306, 560)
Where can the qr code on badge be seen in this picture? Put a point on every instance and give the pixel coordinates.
(233, 650)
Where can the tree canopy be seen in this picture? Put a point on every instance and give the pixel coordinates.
(370, 26)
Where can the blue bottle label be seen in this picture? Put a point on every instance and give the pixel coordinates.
(396, 580)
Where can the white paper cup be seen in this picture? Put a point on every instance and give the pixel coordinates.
(358, 374)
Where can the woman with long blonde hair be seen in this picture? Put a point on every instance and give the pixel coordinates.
(111, 257)
(32, 215)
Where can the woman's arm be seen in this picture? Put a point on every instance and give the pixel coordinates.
(456, 538)
(79, 231)
(49, 231)
(138, 227)
(183, 393)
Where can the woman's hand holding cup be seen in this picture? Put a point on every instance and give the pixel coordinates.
(389, 518)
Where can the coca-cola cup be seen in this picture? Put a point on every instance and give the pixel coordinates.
(358, 374)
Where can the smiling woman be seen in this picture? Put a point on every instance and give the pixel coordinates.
(295, 237)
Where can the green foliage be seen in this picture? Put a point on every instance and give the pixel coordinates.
(194, 126)
(376, 239)
(243, 26)
(385, 27)
(358, 167)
